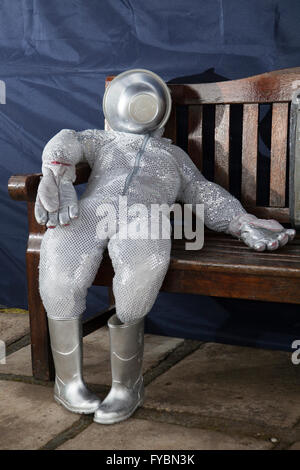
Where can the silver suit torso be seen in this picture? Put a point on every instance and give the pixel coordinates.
(155, 178)
(165, 174)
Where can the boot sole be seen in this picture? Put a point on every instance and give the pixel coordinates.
(75, 410)
(121, 418)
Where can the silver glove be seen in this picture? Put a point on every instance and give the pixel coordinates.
(56, 201)
(260, 234)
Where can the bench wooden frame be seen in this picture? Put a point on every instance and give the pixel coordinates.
(224, 267)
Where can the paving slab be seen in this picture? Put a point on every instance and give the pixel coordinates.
(231, 382)
(295, 446)
(13, 326)
(18, 363)
(29, 417)
(96, 356)
(140, 434)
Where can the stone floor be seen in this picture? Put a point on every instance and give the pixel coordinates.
(198, 396)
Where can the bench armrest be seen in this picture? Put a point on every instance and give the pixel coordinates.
(24, 187)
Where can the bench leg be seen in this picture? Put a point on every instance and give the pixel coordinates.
(42, 361)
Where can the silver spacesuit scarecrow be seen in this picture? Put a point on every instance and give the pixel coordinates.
(132, 160)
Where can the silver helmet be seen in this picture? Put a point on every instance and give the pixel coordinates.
(137, 101)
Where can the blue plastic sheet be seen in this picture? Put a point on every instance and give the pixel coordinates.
(54, 57)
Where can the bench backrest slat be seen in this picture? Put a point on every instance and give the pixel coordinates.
(171, 126)
(222, 137)
(249, 153)
(195, 149)
(277, 86)
(279, 136)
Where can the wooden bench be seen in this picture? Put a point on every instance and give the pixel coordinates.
(224, 267)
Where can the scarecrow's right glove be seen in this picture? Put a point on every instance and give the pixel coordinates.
(56, 201)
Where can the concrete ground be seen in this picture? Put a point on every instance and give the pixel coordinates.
(198, 396)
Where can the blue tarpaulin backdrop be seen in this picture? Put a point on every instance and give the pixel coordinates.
(54, 57)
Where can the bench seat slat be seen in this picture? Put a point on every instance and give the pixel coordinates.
(234, 285)
(232, 255)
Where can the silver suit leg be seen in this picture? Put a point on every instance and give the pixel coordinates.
(126, 352)
(70, 389)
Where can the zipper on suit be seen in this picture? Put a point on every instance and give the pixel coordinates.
(136, 164)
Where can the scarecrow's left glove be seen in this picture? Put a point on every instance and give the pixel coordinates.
(260, 234)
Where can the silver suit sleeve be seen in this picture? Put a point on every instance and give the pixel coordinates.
(69, 147)
(220, 207)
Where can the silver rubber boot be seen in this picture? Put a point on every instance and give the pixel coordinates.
(70, 389)
(126, 355)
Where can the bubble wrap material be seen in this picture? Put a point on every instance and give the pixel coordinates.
(70, 256)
